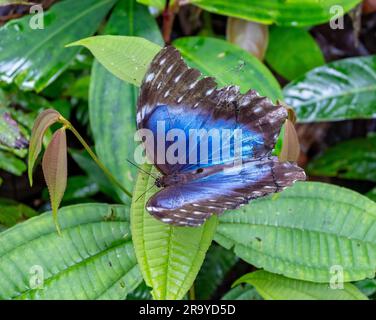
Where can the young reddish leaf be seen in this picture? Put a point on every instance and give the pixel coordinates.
(54, 166)
(42, 123)
(290, 148)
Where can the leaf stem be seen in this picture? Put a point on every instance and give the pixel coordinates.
(109, 175)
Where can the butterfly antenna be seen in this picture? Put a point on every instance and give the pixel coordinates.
(144, 193)
(139, 168)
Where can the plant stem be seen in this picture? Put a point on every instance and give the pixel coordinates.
(69, 126)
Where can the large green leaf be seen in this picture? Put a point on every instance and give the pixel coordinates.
(286, 13)
(12, 212)
(305, 232)
(372, 194)
(352, 159)
(169, 257)
(367, 286)
(300, 52)
(229, 64)
(217, 264)
(344, 89)
(275, 287)
(33, 58)
(242, 292)
(112, 104)
(93, 259)
(11, 163)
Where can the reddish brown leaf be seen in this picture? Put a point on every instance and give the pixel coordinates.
(42, 123)
(369, 6)
(290, 148)
(54, 166)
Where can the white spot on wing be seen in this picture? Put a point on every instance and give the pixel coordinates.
(149, 77)
(257, 109)
(169, 68)
(193, 85)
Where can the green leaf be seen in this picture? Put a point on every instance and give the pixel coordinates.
(87, 164)
(80, 88)
(304, 231)
(242, 292)
(44, 120)
(169, 257)
(352, 159)
(229, 64)
(299, 55)
(12, 212)
(217, 264)
(275, 287)
(26, 99)
(112, 104)
(33, 58)
(344, 89)
(159, 4)
(286, 13)
(94, 258)
(367, 286)
(372, 194)
(55, 172)
(142, 292)
(126, 57)
(12, 164)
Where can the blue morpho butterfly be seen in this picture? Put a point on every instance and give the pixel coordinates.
(179, 97)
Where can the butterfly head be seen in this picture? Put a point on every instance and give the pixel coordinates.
(159, 182)
(170, 180)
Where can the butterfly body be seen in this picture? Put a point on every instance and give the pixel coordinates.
(230, 166)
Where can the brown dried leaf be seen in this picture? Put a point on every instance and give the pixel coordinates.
(42, 123)
(54, 166)
(290, 148)
(248, 35)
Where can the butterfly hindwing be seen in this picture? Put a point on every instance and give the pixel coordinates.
(195, 201)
